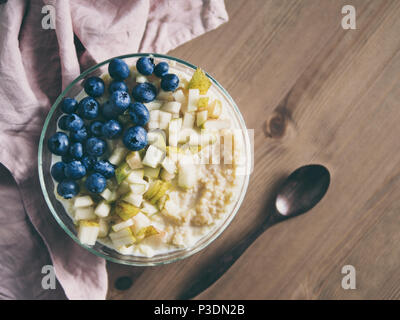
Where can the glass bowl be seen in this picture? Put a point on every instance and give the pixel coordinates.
(65, 221)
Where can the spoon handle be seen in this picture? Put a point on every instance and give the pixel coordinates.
(217, 268)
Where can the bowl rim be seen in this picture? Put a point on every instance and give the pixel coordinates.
(216, 232)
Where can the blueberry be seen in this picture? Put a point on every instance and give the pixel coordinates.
(58, 143)
(144, 92)
(94, 86)
(69, 105)
(111, 129)
(95, 128)
(135, 138)
(88, 162)
(76, 150)
(79, 135)
(95, 146)
(68, 189)
(96, 183)
(109, 111)
(57, 171)
(74, 122)
(88, 108)
(139, 113)
(117, 86)
(120, 101)
(169, 82)
(67, 158)
(105, 168)
(161, 69)
(75, 170)
(62, 122)
(118, 69)
(145, 65)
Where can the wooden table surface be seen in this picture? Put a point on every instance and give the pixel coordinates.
(314, 93)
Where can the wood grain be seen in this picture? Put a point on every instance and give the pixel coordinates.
(337, 93)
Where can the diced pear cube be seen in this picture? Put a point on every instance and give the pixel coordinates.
(88, 232)
(122, 172)
(188, 120)
(193, 97)
(123, 237)
(135, 199)
(154, 116)
(202, 103)
(148, 208)
(138, 187)
(153, 125)
(135, 176)
(103, 228)
(154, 105)
(126, 210)
(187, 175)
(126, 250)
(103, 209)
(157, 138)
(151, 173)
(175, 125)
(85, 214)
(165, 96)
(118, 155)
(140, 221)
(179, 96)
(169, 165)
(153, 157)
(171, 107)
(201, 117)
(123, 188)
(134, 160)
(109, 195)
(84, 201)
(122, 225)
(165, 118)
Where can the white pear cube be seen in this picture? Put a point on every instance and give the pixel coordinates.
(165, 96)
(103, 228)
(138, 187)
(188, 120)
(134, 160)
(154, 116)
(121, 238)
(122, 225)
(179, 96)
(118, 155)
(165, 118)
(187, 175)
(201, 117)
(135, 199)
(157, 138)
(171, 107)
(88, 232)
(175, 125)
(85, 214)
(148, 208)
(169, 165)
(103, 209)
(193, 98)
(84, 201)
(154, 105)
(135, 176)
(140, 221)
(153, 157)
(126, 250)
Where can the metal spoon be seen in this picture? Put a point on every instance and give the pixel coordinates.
(299, 193)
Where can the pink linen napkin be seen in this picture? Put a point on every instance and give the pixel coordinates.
(35, 65)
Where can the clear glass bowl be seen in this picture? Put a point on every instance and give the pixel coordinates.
(62, 217)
